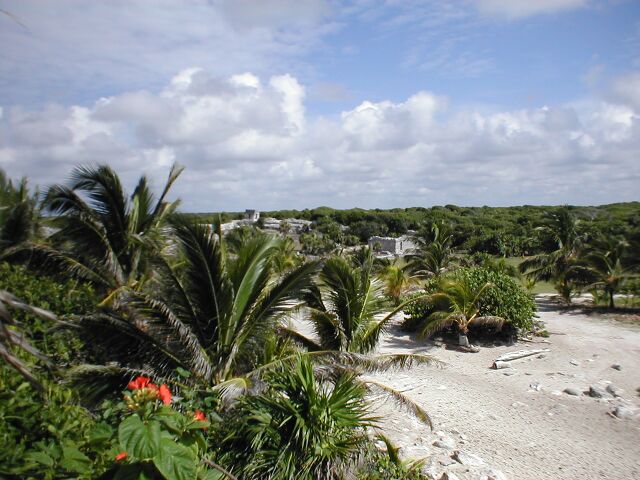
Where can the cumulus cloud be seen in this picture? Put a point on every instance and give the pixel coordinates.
(514, 9)
(247, 141)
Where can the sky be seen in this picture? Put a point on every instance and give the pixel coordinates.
(277, 104)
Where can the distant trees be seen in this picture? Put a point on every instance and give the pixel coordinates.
(606, 265)
(19, 212)
(562, 229)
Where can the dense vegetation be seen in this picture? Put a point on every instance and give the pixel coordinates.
(139, 342)
(503, 231)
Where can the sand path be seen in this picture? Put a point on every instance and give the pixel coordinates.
(526, 433)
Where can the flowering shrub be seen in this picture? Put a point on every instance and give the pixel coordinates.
(157, 441)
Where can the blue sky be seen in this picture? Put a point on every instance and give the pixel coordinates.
(278, 104)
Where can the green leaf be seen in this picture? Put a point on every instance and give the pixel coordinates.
(101, 433)
(197, 425)
(211, 475)
(183, 373)
(175, 461)
(139, 439)
(74, 460)
(40, 457)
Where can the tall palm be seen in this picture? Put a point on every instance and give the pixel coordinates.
(19, 213)
(433, 253)
(105, 236)
(562, 228)
(605, 267)
(458, 303)
(210, 313)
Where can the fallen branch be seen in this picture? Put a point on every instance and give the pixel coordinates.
(507, 357)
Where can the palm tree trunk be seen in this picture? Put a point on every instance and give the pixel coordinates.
(463, 340)
(611, 302)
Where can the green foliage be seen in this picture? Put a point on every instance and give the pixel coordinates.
(210, 314)
(60, 296)
(301, 427)
(104, 236)
(507, 299)
(19, 212)
(315, 244)
(48, 435)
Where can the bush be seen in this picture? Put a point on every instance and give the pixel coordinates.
(507, 299)
(62, 297)
(49, 436)
(300, 427)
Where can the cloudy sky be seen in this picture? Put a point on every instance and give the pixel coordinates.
(300, 103)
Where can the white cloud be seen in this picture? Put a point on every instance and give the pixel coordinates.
(625, 90)
(247, 141)
(71, 49)
(514, 9)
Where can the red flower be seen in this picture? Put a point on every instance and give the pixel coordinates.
(199, 416)
(165, 394)
(121, 456)
(139, 383)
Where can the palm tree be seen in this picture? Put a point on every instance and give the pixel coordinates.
(209, 312)
(346, 307)
(104, 236)
(562, 227)
(605, 267)
(458, 303)
(396, 280)
(285, 257)
(302, 426)
(19, 213)
(433, 253)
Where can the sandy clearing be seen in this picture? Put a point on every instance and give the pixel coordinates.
(525, 433)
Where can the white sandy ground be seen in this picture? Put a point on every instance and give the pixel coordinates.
(528, 434)
(524, 433)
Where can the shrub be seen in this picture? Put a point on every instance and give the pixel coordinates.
(62, 297)
(49, 436)
(507, 299)
(300, 427)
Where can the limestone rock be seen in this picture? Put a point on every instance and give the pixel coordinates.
(447, 443)
(596, 391)
(493, 474)
(468, 459)
(615, 391)
(573, 391)
(449, 476)
(623, 412)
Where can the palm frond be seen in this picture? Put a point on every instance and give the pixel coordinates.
(300, 339)
(402, 400)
